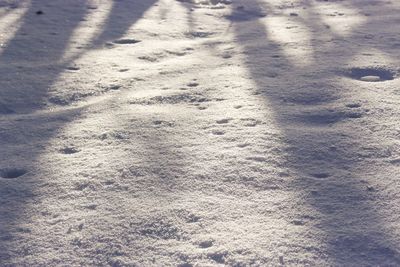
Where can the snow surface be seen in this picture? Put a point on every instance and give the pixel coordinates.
(199, 133)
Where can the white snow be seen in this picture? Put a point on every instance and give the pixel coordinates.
(199, 133)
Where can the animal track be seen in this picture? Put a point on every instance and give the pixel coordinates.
(126, 41)
(74, 68)
(226, 55)
(297, 222)
(69, 150)
(206, 244)
(354, 115)
(193, 84)
(272, 74)
(353, 105)
(114, 87)
(223, 121)
(11, 173)
(218, 132)
(371, 74)
(176, 53)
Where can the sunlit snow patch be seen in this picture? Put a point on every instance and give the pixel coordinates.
(341, 20)
(10, 21)
(293, 37)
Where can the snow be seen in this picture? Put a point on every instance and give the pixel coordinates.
(199, 133)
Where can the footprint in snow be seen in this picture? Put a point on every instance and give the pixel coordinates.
(12, 173)
(69, 150)
(218, 132)
(223, 121)
(297, 222)
(193, 84)
(73, 68)
(226, 55)
(176, 53)
(353, 105)
(206, 244)
(114, 87)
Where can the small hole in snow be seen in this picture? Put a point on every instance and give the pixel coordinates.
(372, 74)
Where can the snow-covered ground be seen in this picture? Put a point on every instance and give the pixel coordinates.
(199, 133)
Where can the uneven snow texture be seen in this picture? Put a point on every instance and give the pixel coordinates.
(199, 133)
